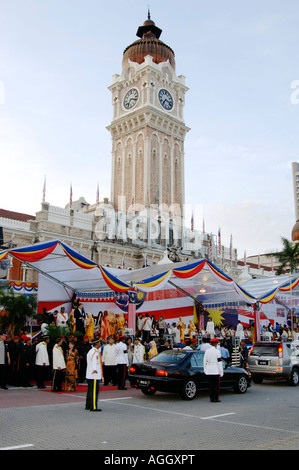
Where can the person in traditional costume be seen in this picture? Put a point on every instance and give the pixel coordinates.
(105, 327)
(153, 349)
(89, 331)
(121, 323)
(181, 328)
(72, 322)
(191, 328)
(59, 366)
(71, 373)
(42, 361)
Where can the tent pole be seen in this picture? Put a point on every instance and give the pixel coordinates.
(184, 292)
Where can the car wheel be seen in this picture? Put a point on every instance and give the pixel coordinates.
(148, 391)
(241, 385)
(257, 379)
(294, 378)
(189, 390)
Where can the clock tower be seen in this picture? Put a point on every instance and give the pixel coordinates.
(147, 128)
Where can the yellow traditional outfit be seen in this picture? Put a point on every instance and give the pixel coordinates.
(153, 349)
(181, 327)
(71, 372)
(89, 327)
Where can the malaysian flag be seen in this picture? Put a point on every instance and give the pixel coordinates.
(71, 196)
(44, 191)
(211, 250)
(98, 196)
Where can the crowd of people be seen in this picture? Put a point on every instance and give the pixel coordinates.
(26, 361)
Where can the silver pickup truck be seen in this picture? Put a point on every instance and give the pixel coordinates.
(274, 360)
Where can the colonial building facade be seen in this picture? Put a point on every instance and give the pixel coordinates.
(144, 219)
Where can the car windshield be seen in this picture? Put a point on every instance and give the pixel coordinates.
(171, 357)
(265, 350)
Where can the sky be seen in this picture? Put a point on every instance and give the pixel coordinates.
(240, 60)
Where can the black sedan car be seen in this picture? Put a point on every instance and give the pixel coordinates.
(181, 371)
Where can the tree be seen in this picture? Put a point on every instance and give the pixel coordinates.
(15, 310)
(288, 257)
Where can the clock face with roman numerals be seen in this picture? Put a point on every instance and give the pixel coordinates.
(165, 99)
(131, 98)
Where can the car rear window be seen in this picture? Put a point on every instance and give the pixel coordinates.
(265, 350)
(170, 357)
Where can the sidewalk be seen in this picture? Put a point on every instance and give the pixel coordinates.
(16, 397)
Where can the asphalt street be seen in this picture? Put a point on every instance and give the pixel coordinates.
(264, 418)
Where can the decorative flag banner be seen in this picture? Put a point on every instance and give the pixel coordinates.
(192, 223)
(56, 251)
(268, 297)
(219, 242)
(189, 271)
(33, 253)
(153, 283)
(78, 259)
(115, 284)
(288, 286)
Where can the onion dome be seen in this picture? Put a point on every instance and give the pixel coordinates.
(148, 44)
(295, 232)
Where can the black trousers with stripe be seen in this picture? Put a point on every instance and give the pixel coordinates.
(92, 394)
(121, 376)
(214, 381)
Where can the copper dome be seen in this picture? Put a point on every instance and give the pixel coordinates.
(149, 44)
(295, 232)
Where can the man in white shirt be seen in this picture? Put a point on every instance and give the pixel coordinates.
(93, 375)
(122, 362)
(109, 361)
(146, 328)
(213, 368)
(210, 328)
(42, 361)
(58, 366)
(62, 318)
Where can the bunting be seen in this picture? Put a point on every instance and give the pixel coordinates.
(154, 282)
(38, 252)
(115, 284)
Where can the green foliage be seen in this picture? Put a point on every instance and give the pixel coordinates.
(16, 309)
(55, 332)
(288, 257)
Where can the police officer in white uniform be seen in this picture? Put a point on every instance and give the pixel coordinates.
(122, 362)
(213, 368)
(93, 375)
